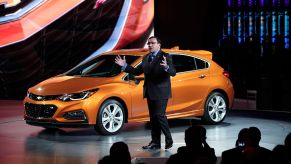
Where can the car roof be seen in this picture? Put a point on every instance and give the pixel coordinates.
(143, 51)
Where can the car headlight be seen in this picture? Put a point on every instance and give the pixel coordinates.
(77, 96)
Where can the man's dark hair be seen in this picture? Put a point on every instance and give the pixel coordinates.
(157, 38)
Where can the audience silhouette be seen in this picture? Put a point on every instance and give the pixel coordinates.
(288, 147)
(119, 153)
(253, 153)
(232, 156)
(242, 136)
(281, 153)
(196, 150)
(248, 150)
(288, 142)
(105, 160)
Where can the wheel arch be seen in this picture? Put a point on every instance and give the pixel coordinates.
(120, 100)
(223, 93)
(206, 117)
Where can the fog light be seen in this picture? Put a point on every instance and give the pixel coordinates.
(75, 115)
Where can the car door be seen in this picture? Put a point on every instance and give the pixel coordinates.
(190, 85)
(138, 103)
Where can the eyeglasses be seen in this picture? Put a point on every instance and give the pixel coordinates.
(151, 43)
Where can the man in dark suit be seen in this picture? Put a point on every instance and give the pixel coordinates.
(157, 67)
(233, 156)
(196, 150)
(249, 151)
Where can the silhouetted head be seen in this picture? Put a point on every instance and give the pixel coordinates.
(254, 136)
(195, 136)
(242, 137)
(105, 160)
(119, 152)
(279, 154)
(288, 141)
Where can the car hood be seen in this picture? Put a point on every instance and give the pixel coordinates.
(67, 84)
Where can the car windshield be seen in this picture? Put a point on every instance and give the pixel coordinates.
(102, 66)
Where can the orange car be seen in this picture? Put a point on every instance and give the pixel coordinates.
(98, 93)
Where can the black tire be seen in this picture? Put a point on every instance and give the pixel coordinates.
(109, 123)
(51, 128)
(215, 108)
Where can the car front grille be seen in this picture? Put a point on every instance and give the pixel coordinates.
(39, 110)
(42, 98)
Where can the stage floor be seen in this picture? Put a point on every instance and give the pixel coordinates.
(21, 143)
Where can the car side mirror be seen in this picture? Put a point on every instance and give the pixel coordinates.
(139, 78)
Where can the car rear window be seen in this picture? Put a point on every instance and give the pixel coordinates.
(183, 63)
(201, 64)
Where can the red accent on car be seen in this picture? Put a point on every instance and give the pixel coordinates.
(225, 73)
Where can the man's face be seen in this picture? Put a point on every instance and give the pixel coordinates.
(153, 45)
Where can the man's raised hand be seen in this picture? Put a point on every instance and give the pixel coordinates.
(121, 62)
(164, 62)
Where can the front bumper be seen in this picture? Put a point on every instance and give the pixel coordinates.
(58, 113)
(55, 124)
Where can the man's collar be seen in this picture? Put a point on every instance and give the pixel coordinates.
(155, 53)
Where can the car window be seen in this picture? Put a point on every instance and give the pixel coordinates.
(183, 63)
(102, 66)
(201, 64)
(130, 76)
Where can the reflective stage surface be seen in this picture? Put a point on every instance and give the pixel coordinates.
(21, 143)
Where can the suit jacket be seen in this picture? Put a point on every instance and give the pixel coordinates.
(157, 84)
(240, 155)
(187, 154)
(231, 156)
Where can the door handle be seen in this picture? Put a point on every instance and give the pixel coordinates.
(202, 76)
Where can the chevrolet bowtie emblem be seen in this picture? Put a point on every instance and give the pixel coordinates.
(9, 3)
(39, 97)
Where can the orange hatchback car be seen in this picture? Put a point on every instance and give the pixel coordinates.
(97, 93)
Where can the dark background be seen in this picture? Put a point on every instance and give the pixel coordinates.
(257, 60)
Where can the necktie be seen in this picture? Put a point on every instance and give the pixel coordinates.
(151, 57)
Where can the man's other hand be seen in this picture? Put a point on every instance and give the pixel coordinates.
(121, 62)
